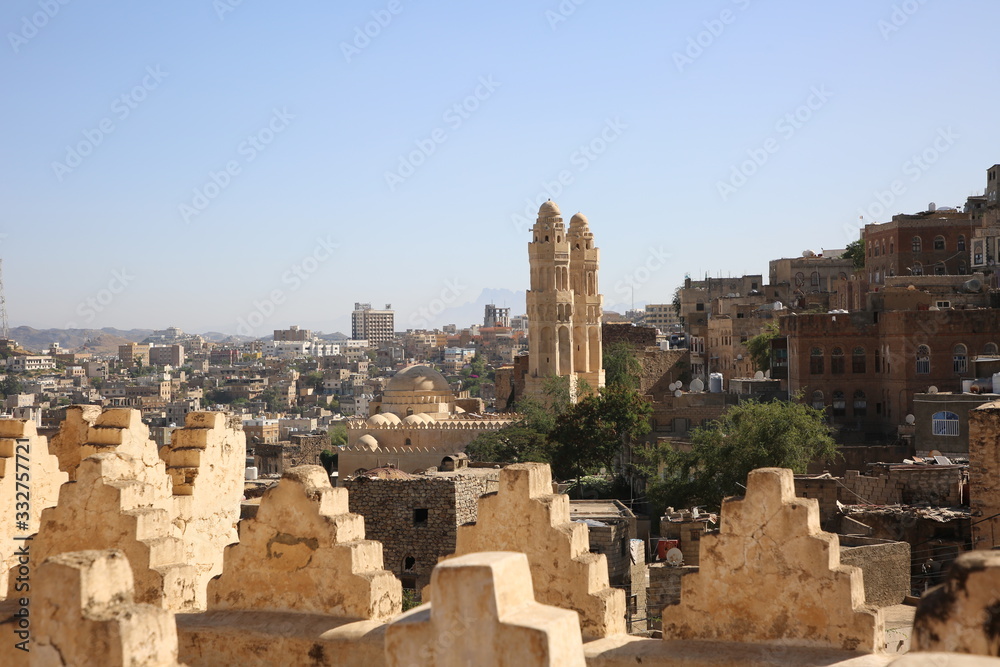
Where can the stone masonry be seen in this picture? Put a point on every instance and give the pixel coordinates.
(984, 474)
(771, 542)
(417, 519)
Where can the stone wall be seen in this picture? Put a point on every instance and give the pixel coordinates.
(390, 510)
(612, 541)
(886, 568)
(905, 484)
(826, 490)
(770, 541)
(984, 474)
(664, 589)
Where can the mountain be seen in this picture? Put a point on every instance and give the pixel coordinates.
(98, 341)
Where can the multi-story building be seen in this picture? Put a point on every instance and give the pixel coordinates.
(933, 242)
(796, 280)
(496, 317)
(133, 353)
(375, 326)
(166, 355)
(292, 333)
(662, 316)
(697, 296)
(24, 363)
(261, 431)
(865, 367)
(564, 303)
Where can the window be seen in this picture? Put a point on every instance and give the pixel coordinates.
(699, 306)
(961, 242)
(818, 400)
(409, 563)
(837, 361)
(916, 244)
(839, 404)
(960, 359)
(858, 360)
(939, 243)
(892, 246)
(814, 278)
(878, 360)
(420, 516)
(800, 279)
(923, 360)
(939, 269)
(942, 304)
(816, 361)
(917, 270)
(944, 423)
(860, 404)
(962, 270)
(990, 348)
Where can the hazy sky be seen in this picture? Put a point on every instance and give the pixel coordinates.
(200, 164)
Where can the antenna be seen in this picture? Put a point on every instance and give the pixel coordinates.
(3, 303)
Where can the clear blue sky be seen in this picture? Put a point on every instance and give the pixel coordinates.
(675, 122)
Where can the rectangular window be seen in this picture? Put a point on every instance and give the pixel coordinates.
(419, 517)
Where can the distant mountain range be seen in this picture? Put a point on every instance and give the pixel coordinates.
(95, 341)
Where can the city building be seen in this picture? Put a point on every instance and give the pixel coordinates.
(496, 317)
(375, 326)
(663, 316)
(935, 241)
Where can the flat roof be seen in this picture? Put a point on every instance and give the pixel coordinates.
(598, 509)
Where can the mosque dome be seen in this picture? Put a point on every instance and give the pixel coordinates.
(548, 208)
(368, 441)
(417, 378)
(578, 219)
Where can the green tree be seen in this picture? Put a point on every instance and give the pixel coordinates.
(592, 433)
(782, 434)
(328, 460)
(759, 346)
(856, 253)
(11, 385)
(622, 366)
(338, 435)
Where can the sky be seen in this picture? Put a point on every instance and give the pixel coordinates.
(241, 166)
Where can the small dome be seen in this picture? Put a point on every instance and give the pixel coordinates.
(417, 378)
(548, 208)
(378, 420)
(578, 220)
(368, 441)
(413, 419)
(391, 418)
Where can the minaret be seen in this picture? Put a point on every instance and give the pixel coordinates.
(585, 259)
(564, 308)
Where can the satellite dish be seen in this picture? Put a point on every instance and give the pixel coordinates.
(932, 389)
(759, 375)
(675, 556)
(697, 385)
(672, 386)
(910, 419)
(678, 393)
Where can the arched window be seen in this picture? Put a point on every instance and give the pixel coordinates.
(837, 361)
(939, 243)
(923, 360)
(409, 443)
(990, 348)
(816, 361)
(409, 563)
(815, 278)
(818, 400)
(918, 270)
(839, 404)
(960, 359)
(916, 243)
(800, 279)
(939, 269)
(892, 246)
(961, 242)
(858, 360)
(876, 250)
(944, 423)
(962, 270)
(860, 404)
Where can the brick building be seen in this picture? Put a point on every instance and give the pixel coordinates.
(864, 368)
(933, 242)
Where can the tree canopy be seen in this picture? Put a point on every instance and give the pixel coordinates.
(783, 434)
(856, 253)
(759, 346)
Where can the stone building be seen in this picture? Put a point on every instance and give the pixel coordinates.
(564, 303)
(416, 423)
(931, 242)
(417, 519)
(865, 368)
